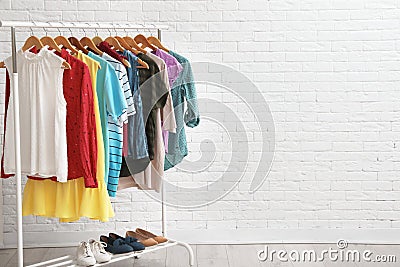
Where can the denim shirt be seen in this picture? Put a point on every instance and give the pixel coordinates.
(137, 142)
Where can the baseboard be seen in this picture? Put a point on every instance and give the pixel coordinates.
(245, 236)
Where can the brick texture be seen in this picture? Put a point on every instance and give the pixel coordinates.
(330, 73)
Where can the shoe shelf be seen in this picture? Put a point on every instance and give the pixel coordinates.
(70, 261)
(170, 243)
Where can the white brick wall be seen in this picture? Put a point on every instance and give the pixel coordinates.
(330, 71)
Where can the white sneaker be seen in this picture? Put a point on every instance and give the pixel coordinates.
(84, 255)
(100, 254)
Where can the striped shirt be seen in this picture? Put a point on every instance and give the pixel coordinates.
(115, 130)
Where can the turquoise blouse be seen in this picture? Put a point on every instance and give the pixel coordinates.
(182, 90)
(112, 103)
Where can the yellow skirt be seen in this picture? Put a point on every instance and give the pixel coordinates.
(68, 201)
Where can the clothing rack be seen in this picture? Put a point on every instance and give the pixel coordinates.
(14, 25)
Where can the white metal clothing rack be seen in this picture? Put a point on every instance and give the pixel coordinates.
(14, 25)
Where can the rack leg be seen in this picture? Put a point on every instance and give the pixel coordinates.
(17, 151)
(163, 191)
(163, 219)
(190, 251)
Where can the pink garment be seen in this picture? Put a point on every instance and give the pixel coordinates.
(165, 137)
(174, 68)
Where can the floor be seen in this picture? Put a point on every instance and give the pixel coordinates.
(207, 256)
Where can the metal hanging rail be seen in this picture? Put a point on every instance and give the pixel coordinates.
(81, 25)
(14, 25)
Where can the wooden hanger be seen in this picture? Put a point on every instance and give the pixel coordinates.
(32, 41)
(86, 41)
(2, 65)
(75, 42)
(129, 40)
(61, 40)
(97, 39)
(141, 39)
(47, 40)
(155, 41)
(124, 44)
(113, 42)
(143, 64)
(117, 46)
(66, 65)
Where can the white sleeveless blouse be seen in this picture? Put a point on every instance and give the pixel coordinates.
(43, 111)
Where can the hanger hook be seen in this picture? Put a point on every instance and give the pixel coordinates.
(84, 31)
(143, 26)
(44, 29)
(121, 26)
(148, 29)
(34, 23)
(88, 25)
(155, 28)
(70, 31)
(62, 24)
(126, 32)
(98, 25)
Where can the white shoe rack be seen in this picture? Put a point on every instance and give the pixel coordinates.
(24, 25)
(70, 260)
